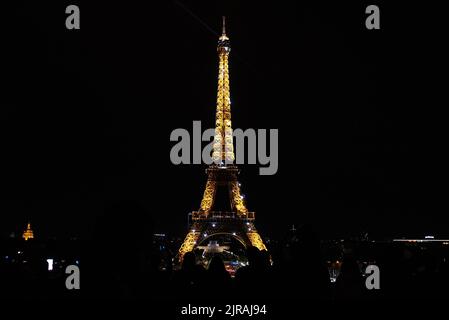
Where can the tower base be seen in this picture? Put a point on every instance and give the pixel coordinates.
(221, 223)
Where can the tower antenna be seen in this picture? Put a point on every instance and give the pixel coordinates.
(224, 26)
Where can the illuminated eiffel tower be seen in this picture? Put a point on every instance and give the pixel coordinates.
(210, 220)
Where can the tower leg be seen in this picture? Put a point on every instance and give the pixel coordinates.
(256, 240)
(189, 242)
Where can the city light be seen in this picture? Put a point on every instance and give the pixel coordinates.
(50, 264)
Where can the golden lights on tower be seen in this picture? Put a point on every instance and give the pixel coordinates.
(223, 143)
(28, 233)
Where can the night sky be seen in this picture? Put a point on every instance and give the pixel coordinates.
(87, 114)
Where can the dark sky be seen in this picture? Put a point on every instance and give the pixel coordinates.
(87, 114)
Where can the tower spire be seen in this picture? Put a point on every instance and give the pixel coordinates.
(223, 142)
(223, 36)
(223, 33)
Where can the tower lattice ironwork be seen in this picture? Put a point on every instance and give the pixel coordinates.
(209, 220)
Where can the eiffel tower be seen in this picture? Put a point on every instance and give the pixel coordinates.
(232, 217)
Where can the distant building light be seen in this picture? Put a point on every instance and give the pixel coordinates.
(213, 225)
(50, 264)
(421, 240)
(429, 237)
(205, 234)
(159, 234)
(233, 233)
(28, 233)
